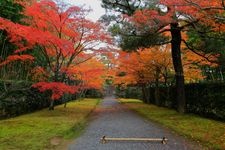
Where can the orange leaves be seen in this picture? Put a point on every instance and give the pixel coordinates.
(208, 12)
(18, 33)
(13, 58)
(65, 39)
(57, 88)
(153, 63)
(191, 57)
(152, 19)
(91, 73)
(65, 33)
(20, 57)
(141, 67)
(192, 63)
(39, 74)
(142, 17)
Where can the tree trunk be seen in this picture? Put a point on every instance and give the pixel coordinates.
(147, 93)
(157, 98)
(144, 97)
(65, 104)
(221, 75)
(177, 64)
(51, 106)
(65, 101)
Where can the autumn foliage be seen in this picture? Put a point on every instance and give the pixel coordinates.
(16, 57)
(57, 88)
(65, 39)
(69, 46)
(148, 65)
(209, 13)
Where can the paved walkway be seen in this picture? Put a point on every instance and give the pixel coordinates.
(115, 120)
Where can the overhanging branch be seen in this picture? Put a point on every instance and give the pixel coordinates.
(198, 53)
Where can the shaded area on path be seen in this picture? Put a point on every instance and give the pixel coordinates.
(115, 120)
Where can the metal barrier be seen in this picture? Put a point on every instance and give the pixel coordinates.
(163, 140)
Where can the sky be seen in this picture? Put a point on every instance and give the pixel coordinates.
(95, 5)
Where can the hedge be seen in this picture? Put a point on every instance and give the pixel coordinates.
(93, 93)
(19, 98)
(129, 92)
(204, 99)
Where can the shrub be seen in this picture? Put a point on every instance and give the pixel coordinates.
(93, 93)
(19, 98)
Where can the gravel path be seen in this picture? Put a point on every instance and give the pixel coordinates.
(115, 120)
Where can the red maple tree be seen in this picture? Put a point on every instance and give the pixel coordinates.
(62, 35)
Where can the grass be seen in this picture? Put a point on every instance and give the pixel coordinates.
(46, 129)
(210, 133)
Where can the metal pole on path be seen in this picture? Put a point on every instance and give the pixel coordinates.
(163, 140)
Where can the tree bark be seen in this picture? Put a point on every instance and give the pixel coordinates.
(157, 97)
(144, 97)
(177, 64)
(51, 106)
